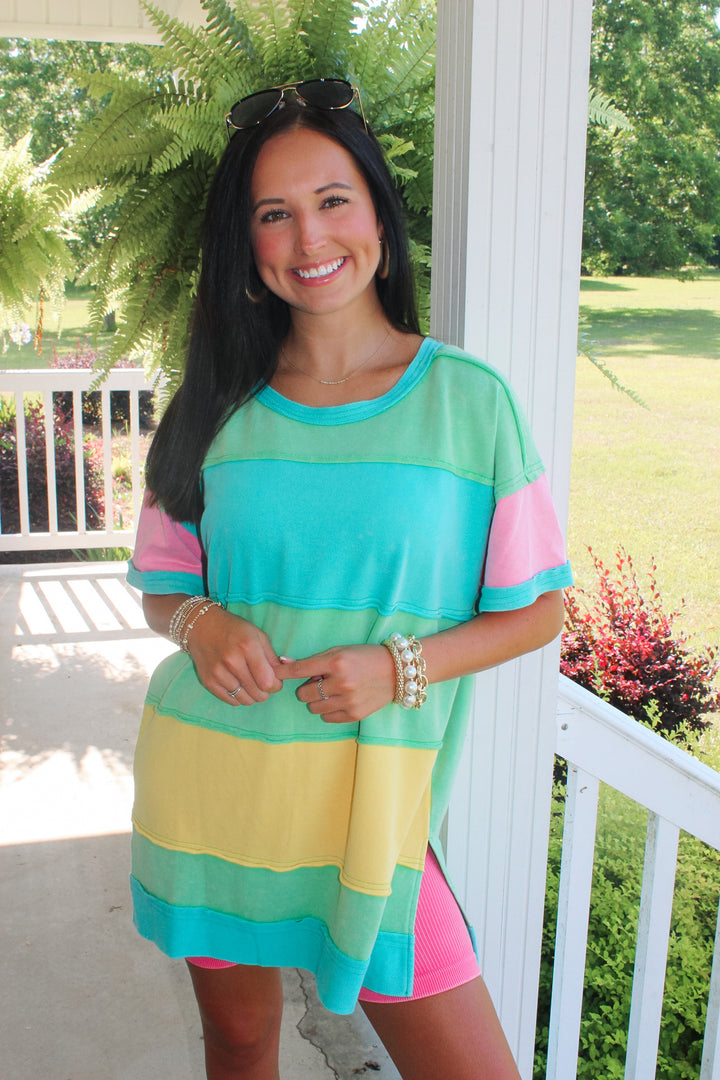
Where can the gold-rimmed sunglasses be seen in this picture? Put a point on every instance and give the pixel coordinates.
(319, 93)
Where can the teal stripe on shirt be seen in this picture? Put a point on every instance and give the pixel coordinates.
(303, 943)
(388, 536)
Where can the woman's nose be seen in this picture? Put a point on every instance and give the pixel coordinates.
(310, 234)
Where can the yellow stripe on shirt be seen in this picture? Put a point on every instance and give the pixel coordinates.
(267, 805)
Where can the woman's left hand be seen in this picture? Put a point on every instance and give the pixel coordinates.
(344, 684)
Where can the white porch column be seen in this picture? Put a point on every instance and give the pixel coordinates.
(511, 114)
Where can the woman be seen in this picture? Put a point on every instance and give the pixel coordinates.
(352, 481)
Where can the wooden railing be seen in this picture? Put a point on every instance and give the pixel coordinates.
(601, 744)
(44, 385)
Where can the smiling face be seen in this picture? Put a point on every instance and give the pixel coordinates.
(314, 228)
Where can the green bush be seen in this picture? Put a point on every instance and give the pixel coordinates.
(612, 937)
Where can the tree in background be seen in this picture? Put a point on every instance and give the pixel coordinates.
(652, 198)
(154, 148)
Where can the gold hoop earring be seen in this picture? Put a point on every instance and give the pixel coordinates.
(256, 298)
(384, 268)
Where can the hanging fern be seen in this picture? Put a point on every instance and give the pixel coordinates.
(154, 147)
(36, 219)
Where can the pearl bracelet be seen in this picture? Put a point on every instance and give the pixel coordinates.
(410, 681)
(185, 617)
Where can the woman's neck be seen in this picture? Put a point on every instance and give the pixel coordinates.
(330, 348)
(331, 361)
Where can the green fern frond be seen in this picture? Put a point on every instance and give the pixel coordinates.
(186, 47)
(327, 28)
(602, 111)
(224, 21)
(35, 218)
(405, 31)
(586, 347)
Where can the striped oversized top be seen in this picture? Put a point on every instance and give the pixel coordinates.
(263, 835)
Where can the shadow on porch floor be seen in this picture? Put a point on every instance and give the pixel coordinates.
(83, 995)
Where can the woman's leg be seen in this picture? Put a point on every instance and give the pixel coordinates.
(241, 1010)
(455, 1035)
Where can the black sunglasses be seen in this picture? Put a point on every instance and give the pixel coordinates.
(319, 93)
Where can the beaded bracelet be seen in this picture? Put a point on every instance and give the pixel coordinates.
(185, 617)
(410, 680)
(180, 614)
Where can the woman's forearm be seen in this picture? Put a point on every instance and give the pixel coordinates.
(492, 638)
(159, 610)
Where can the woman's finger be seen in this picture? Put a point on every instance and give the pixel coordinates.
(237, 696)
(310, 667)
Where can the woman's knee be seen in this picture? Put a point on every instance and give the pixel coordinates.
(240, 1009)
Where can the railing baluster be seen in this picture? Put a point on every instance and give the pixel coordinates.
(107, 456)
(79, 460)
(135, 454)
(710, 1069)
(50, 472)
(21, 444)
(652, 948)
(576, 868)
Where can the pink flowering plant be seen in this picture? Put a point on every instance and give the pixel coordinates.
(621, 644)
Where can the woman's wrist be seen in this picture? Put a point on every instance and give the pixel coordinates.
(410, 679)
(186, 616)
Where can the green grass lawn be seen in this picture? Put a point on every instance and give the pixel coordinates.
(63, 329)
(650, 479)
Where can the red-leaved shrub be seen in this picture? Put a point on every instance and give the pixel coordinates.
(622, 645)
(84, 357)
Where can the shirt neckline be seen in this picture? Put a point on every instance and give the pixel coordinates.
(329, 415)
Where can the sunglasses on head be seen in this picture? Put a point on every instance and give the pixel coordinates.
(319, 93)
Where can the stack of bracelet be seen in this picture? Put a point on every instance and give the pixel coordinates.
(410, 681)
(185, 617)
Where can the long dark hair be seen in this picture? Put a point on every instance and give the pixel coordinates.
(234, 341)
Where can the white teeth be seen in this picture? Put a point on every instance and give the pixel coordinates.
(321, 271)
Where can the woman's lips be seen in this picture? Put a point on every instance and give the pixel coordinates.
(320, 272)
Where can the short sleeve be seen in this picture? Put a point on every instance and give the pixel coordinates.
(167, 556)
(525, 554)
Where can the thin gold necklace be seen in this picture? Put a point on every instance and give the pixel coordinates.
(336, 382)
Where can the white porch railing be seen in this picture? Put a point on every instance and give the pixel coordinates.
(44, 384)
(601, 744)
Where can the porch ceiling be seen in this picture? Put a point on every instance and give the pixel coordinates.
(89, 20)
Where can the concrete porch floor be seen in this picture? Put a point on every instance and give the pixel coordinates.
(83, 997)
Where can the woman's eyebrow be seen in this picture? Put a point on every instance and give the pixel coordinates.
(265, 202)
(333, 184)
(274, 200)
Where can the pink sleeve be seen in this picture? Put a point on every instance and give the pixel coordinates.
(167, 556)
(526, 550)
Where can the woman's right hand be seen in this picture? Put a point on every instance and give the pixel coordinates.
(228, 652)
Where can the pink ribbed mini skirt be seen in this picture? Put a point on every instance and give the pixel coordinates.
(444, 954)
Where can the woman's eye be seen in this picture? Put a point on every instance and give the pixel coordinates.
(334, 200)
(273, 215)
